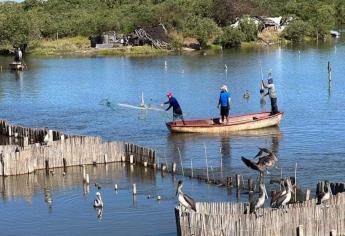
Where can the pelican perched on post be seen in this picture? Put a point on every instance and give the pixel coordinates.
(284, 198)
(183, 198)
(264, 162)
(98, 203)
(324, 196)
(260, 201)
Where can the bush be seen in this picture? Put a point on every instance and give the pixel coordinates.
(296, 31)
(205, 30)
(249, 29)
(232, 37)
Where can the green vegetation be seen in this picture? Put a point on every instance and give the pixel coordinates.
(36, 24)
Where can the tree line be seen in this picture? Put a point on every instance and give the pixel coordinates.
(26, 23)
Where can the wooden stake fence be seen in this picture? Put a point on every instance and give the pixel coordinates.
(62, 152)
(229, 219)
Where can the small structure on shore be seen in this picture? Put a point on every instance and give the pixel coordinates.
(156, 36)
(108, 39)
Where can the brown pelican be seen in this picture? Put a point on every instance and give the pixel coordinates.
(262, 151)
(98, 203)
(260, 201)
(183, 198)
(324, 196)
(284, 198)
(263, 163)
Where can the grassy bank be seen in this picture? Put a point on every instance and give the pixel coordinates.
(81, 46)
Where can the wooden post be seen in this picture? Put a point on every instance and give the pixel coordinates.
(300, 230)
(134, 189)
(208, 178)
(131, 159)
(250, 184)
(191, 168)
(307, 194)
(163, 167)
(84, 174)
(238, 181)
(173, 167)
(251, 196)
(329, 69)
(26, 141)
(87, 179)
(229, 181)
(322, 186)
(154, 166)
(273, 193)
(179, 153)
(333, 232)
(64, 163)
(318, 188)
(47, 167)
(105, 158)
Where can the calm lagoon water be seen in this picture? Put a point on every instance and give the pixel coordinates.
(65, 93)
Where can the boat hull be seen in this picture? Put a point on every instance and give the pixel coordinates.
(235, 123)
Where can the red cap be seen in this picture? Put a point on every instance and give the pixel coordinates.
(169, 94)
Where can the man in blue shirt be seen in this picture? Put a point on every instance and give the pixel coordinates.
(224, 103)
(177, 111)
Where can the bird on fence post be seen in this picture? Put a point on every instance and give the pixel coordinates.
(264, 162)
(184, 200)
(324, 196)
(283, 199)
(254, 206)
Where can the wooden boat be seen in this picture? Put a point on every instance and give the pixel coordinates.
(235, 123)
(17, 65)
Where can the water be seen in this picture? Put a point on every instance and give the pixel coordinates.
(60, 205)
(64, 93)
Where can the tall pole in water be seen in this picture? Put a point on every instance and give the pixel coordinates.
(329, 69)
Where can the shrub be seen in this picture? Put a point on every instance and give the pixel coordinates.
(249, 29)
(296, 31)
(232, 37)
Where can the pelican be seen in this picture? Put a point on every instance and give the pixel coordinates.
(283, 185)
(260, 201)
(183, 198)
(324, 196)
(262, 151)
(284, 198)
(264, 162)
(98, 203)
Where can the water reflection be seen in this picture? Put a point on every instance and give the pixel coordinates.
(48, 198)
(86, 189)
(27, 185)
(99, 213)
